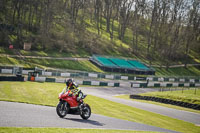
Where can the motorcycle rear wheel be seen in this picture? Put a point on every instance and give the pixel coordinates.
(62, 109)
(86, 112)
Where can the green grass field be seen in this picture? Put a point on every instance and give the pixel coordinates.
(53, 63)
(52, 53)
(190, 96)
(127, 97)
(47, 94)
(88, 66)
(179, 71)
(63, 130)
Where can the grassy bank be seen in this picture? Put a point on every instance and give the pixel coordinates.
(47, 93)
(63, 130)
(127, 97)
(52, 53)
(179, 71)
(189, 96)
(52, 63)
(86, 65)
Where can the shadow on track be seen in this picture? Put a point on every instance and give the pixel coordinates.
(92, 122)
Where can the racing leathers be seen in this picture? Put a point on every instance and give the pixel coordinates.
(74, 90)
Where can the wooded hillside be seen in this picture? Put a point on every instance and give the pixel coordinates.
(162, 31)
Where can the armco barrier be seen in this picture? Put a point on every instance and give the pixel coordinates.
(116, 84)
(95, 83)
(103, 84)
(56, 74)
(8, 71)
(25, 72)
(65, 74)
(167, 101)
(40, 79)
(57, 80)
(86, 82)
(177, 79)
(11, 78)
(101, 75)
(92, 75)
(50, 80)
(62, 80)
(152, 84)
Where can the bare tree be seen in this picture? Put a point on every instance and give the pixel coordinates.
(124, 17)
(98, 11)
(193, 27)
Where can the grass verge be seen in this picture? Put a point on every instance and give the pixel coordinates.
(88, 66)
(161, 104)
(62, 64)
(179, 71)
(62, 130)
(189, 96)
(47, 94)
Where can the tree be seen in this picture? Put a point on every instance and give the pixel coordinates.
(98, 10)
(136, 23)
(193, 28)
(124, 17)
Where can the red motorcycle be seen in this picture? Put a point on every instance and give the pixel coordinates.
(69, 105)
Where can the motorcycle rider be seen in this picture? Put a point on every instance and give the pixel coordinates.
(74, 89)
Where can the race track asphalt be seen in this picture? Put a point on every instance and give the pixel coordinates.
(28, 115)
(108, 93)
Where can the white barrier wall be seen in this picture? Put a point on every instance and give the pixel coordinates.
(93, 75)
(40, 79)
(110, 84)
(65, 74)
(150, 84)
(79, 82)
(124, 77)
(160, 79)
(192, 80)
(182, 80)
(150, 78)
(60, 80)
(110, 76)
(6, 71)
(198, 85)
(187, 85)
(171, 79)
(163, 84)
(48, 73)
(27, 71)
(136, 85)
(175, 84)
(95, 83)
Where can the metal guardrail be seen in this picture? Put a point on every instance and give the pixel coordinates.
(93, 75)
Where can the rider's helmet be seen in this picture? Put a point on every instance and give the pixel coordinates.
(69, 82)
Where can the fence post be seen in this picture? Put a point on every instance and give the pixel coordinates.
(182, 89)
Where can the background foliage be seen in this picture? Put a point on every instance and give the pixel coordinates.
(164, 31)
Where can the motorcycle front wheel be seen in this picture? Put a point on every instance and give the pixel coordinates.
(62, 109)
(86, 112)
